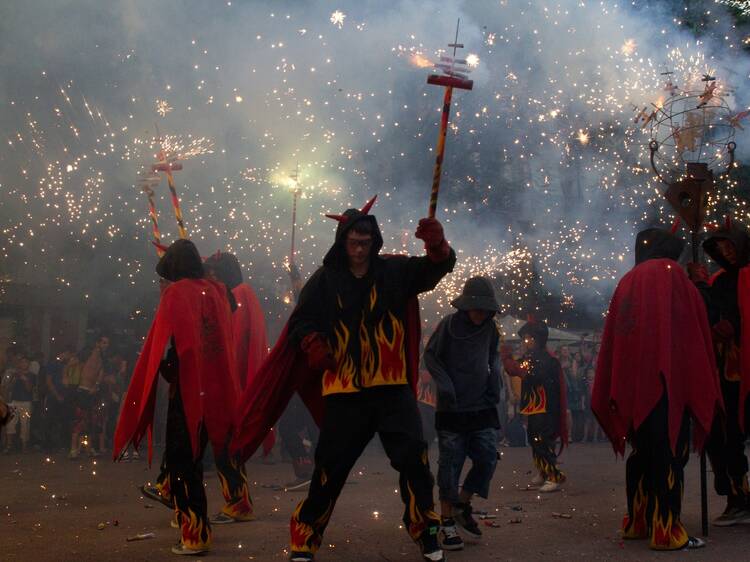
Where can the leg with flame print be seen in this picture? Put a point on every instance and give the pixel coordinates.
(667, 477)
(234, 488)
(346, 431)
(635, 525)
(400, 430)
(726, 451)
(186, 480)
(542, 442)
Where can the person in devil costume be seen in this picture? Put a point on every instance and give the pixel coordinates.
(190, 344)
(354, 340)
(655, 371)
(543, 402)
(729, 247)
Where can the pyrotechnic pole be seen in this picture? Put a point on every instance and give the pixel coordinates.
(169, 165)
(147, 184)
(296, 194)
(454, 76)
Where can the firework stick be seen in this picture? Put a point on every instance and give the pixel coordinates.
(294, 225)
(449, 82)
(154, 218)
(168, 167)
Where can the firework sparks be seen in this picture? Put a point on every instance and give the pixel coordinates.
(337, 18)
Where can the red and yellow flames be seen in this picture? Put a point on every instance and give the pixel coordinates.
(637, 528)
(666, 534)
(196, 535)
(537, 403)
(392, 366)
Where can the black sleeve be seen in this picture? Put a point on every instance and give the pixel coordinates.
(435, 365)
(421, 274)
(712, 308)
(309, 314)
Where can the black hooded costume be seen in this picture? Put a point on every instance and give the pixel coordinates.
(726, 445)
(362, 323)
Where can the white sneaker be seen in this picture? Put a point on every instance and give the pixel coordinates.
(538, 480)
(549, 486)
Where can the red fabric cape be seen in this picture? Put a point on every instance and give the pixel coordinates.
(743, 300)
(249, 332)
(656, 339)
(196, 313)
(285, 372)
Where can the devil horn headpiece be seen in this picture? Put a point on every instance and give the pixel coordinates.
(365, 211)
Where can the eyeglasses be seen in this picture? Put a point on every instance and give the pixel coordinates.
(354, 243)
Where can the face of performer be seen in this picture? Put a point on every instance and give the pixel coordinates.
(358, 247)
(728, 251)
(478, 317)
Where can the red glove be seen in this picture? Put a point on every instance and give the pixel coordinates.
(723, 330)
(431, 231)
(319, 355)
(697, 272)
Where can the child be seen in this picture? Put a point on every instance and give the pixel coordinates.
(462, 357)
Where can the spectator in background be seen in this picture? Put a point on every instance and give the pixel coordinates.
(21, 395)
(56, 418)
(578, 390)
(88, 413)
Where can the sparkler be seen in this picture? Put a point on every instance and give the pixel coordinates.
(296, 192)
(168, 165)
(454, 76)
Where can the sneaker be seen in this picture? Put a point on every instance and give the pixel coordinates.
(181, 549)
(152, 493)
(72, 455)
(538, 480)
(136, 456)
(449, 537)
(434, 556)
(94, 454)
(693, 543)
(125, 457)
(731, 516)
(173, 523)
(298, 484)
(549, 486)
(465, 518)
(224, 519)
(301, 556)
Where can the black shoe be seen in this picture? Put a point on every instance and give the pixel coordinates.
(152, 493)
(465, 518)
(449, 537)
(301, 556)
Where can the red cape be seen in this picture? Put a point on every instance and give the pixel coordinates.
(743, 300)
(656, 339)
(249, 332)
(285, 372)
(196, 313)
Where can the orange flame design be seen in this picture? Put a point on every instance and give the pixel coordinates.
(238, 504)
(669, 534)
(637, 528)
(341, 379)
(392, 366)
(537, 401)
(416, 521)
(427, 395)
(300, 533)
(195, 532)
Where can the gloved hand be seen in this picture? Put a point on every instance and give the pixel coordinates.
(697, 272)
(723, 330)
(319, 354)
(431, 231)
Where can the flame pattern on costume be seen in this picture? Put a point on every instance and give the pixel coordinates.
(341, 379)
(163, 486)
(667, 532)
(536, 401)
(636, 526)
(731, 354)
(426, 394)
(304, 537)
(234, 488)
(547, 469)
(196, 533)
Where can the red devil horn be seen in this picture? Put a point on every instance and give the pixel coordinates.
(368, 205)
(675, 225)
(728, 222)
(340, 218)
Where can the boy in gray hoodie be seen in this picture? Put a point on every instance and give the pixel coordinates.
(463, 358)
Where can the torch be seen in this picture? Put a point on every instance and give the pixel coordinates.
(295, 196)
(169, 165)
(454, 75)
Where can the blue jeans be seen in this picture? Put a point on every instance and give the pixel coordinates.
(481, 447)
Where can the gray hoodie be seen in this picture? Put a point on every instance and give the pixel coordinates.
(464, 362)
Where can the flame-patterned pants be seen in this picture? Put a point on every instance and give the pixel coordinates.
(541, 430)
(654, 479)
(726, 450)
(186, 476)
(351, 421)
